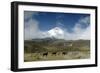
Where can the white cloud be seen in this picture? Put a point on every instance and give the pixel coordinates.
(29, 14)
(78, 31)
(85, 21)
(86, 34)
(31, 30)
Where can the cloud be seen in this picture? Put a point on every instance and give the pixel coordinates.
(31, 27)
(29, 14)
(81, 30)
(86, 34)
(31, 30)
(85, 21)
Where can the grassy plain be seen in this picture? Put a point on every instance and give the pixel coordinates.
(34, 50)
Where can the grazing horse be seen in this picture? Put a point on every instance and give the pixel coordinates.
(54, 53)
(64, 53)
(45, 54)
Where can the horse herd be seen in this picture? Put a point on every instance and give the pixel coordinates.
(53, 53)
(63, 53)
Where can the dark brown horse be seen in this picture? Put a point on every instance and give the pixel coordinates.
(45, 54)
(54, 53)
(64, 53)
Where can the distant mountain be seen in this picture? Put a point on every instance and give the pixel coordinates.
(56, 32)
(48, 39)
(53, 34)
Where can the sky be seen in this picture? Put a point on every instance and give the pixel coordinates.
(75, 25)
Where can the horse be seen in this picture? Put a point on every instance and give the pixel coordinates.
(54, 53)
(45, 54)
(64, 53)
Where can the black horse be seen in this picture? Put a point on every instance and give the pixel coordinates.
(45, 54)
(64, 53)
(54, 53)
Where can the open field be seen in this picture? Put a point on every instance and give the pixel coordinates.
(54, 49)
(69, 56)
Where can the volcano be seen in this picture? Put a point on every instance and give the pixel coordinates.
(56, 32)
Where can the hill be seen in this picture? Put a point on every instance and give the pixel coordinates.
(53, 44)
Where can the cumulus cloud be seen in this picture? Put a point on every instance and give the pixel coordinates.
(31, 29)
(80, 32)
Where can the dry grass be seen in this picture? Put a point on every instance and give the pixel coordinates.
(59, 56)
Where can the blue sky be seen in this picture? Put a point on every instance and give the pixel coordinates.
(48, 20)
